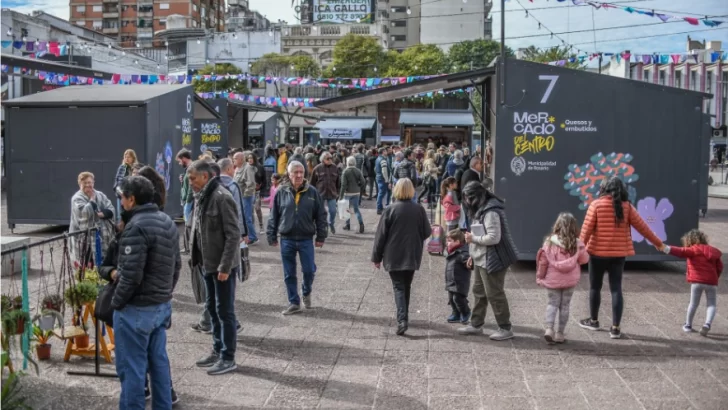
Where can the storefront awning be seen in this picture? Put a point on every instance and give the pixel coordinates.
(445, 118)
(255, 130)
(378, 95)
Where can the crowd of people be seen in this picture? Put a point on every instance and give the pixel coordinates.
(305, 189)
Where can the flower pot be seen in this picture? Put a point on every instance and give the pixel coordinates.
(81, 342)
(43, 351)
(21, 326)
(46, 322)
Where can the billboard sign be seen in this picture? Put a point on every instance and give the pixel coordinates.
(343, 11)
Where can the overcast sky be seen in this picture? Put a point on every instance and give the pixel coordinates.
(646, 34)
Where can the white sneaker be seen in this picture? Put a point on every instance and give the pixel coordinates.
(549, 336)
(471, 330)
(501, 334)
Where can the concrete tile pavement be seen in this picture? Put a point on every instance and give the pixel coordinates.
(343, 354)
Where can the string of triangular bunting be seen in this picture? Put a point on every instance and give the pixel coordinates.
(678, 58)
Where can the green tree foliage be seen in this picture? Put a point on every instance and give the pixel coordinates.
(358, 56)
(304, 65)
(552, 54)
(474, 54)
(231, 85)
(273, 64)
(422, 59)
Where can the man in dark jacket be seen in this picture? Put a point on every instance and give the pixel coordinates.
(361, 159)
(371, 161)
(383, 173)
(470, 174)
(148, 269)
(184, 159)
(326, 177)
(298, 215)
(406, 169)
(216, 250)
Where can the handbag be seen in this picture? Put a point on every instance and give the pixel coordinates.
(103, 310)
(244, 272)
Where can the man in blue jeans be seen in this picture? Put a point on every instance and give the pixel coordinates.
(184, 159)
(298, 215)
(148, 269)
(216, 250)
(326, 177)
(383, 174)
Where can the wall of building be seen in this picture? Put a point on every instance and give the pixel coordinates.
(240, 49)
(447, 22)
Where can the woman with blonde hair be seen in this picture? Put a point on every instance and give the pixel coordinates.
(90, 208)
(129, 160)
(398, 245)
(429, 178)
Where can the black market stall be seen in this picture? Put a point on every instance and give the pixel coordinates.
(262, 127)
(439, 126)
(55, 135)
(352, 130)
(559, 132)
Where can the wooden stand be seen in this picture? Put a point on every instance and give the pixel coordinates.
(70, 332)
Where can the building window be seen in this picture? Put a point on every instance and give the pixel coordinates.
(399, 23)
(678, 78)
(646, 75)
(194, 7)
(399, 37)
(663, 77)
(203, 12)
(164, 6)
(97, 9)
(709, 90)
(399, 9)
(633, 72)
(694, 80)
(81, 9)
(81, 23)
(162, 22)
(97, 24)
(724, 104)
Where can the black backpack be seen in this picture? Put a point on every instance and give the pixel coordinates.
(260, 178)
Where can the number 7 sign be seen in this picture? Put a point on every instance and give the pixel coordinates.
(552, 82)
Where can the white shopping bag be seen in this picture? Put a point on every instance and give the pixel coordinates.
(342, 208)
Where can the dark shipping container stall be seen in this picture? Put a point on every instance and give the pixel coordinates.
(55, 135)
(561, 131)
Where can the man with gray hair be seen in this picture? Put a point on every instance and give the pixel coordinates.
(327, 180)
(216, 251)
(298, 215)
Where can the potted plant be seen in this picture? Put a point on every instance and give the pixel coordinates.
(13, 321)
(50, 304)
(78, 296)
(42, 347)
(6, 303)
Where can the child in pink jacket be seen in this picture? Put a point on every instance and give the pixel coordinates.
(558, 270)
(450, 203)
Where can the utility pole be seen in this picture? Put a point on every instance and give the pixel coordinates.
(502, 56)
(600, 63)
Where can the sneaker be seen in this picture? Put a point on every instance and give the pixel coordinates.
(559, 337)
(454, 318)
(208, 361)
(687, 328)
(465, 319)
(202, 329)
(704, 330)
(222, 367)
(589, 324)
(291, 309)
(238, 328)
(347, 227)
(501, 334)
(615, 333)
(401, 328)
(307, 302)
(175, 398)
(252, 242)
(549, 335)
(333, 228)
(361, 228)
(147, 393)
(380, 211)
(471, 330)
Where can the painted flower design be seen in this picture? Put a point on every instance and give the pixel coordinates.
(654, 213)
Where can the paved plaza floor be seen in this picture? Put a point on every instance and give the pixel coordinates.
(343, 354)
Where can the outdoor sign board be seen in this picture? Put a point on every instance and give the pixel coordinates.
(343, 11)
(562, 131)
(341, 133)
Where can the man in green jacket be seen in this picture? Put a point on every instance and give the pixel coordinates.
(184, 159)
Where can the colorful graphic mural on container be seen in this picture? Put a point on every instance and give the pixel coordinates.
(583, 181)
(163, 164)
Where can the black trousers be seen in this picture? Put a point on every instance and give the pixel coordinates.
(402, 283)
(371, 181)
(614, 267)
(459, 303)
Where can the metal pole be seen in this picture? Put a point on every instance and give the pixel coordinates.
(502, 75)
(600, 63)
(26, 309)
(483, 107)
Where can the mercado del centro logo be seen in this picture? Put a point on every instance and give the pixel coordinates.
(535, 137)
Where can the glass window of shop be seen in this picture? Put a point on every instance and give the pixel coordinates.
(294, 136)
(311, 136)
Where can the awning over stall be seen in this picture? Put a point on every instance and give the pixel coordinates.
(255, 130)
(378, 95)
(344, 128)
(445, 118)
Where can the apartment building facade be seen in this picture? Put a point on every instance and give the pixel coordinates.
(133, 22)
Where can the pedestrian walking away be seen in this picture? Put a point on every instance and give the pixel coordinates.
(299, 217)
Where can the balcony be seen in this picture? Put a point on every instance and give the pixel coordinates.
(145, 14)
(110, 1)
(334, 30)
(110, 15)
(111, 30)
